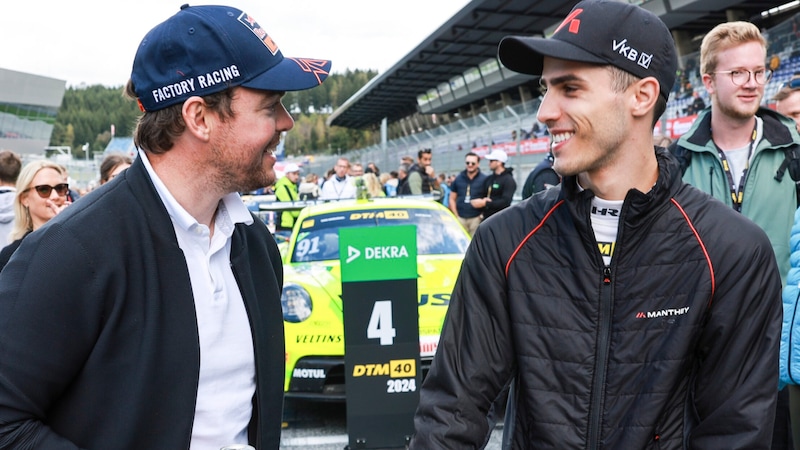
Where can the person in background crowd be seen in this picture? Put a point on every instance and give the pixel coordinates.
(445, 189)
(10, 165)
(402, 180)
(735, 148)
(500, 186)
(286, 190)
(72, 194)
(149, 316)
(787, 99)
(389, 183)
(469, 183)
(340, 185)
(664, 339)
(373, 185)
(356, 170)
(309, 189)
(41, 194)
(697, 105)
(371, 167)
(421, 176)
(787, 102)
(542, 177)
(113, 165)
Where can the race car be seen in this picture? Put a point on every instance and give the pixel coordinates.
(312, 301)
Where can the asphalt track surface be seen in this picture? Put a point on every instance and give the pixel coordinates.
(323, 426)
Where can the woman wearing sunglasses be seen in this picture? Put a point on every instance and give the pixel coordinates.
(41, 194)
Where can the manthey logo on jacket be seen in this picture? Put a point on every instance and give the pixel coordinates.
(659, 313)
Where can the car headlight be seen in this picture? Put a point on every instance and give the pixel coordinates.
(295, 303)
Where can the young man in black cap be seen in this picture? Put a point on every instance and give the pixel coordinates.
(149, 316)
(616, 303)
(500, 186)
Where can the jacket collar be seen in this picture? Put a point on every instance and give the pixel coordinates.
(637, 204)
(777, 131)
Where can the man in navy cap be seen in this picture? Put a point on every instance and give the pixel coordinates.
(626, 309)
(149, 317)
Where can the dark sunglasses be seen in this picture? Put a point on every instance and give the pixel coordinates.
(792, 84)
(44, 190)
(470, 163)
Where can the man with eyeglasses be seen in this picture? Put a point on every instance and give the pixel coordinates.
(787, 99)
(340, 185)
(469, 183)
(735, 148)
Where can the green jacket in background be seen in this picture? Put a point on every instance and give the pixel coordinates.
(767, 202)
(286, 191)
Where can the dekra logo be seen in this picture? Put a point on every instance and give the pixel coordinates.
(377, 252)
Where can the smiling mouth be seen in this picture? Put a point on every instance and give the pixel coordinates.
(561, 137)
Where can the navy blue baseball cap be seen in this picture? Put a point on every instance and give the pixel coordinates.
(206, 49)
(608, 32)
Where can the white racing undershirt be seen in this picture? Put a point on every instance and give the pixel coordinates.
(605, 222)
(227, 363)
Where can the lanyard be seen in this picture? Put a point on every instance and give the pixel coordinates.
(738, 196)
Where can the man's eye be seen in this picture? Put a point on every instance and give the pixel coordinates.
(736, 73)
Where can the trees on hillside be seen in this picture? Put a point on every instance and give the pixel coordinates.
(88, 113)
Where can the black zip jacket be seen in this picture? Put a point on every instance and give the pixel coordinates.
(674, 345)
(500, 188)
(99, 347)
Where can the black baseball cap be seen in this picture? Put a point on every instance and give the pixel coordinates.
(601, 32)
(206, 49)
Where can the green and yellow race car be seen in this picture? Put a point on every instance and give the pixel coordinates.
(312, 300)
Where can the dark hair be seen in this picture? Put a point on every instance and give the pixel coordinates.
(156, 130)
(110, 162)
(423, 151)
(472, 154)
(10, 165)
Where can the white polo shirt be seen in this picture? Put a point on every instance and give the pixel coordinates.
(227, 362)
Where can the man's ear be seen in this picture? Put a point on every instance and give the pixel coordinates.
(197, 117)
(645, 94)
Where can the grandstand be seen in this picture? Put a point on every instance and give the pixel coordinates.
(452, 95)
(28, 106)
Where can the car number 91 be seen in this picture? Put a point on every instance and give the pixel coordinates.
(396, 386)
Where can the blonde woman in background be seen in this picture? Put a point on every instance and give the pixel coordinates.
(373, 185)
(41, 194)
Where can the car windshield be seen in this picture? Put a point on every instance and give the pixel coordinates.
(438, 233)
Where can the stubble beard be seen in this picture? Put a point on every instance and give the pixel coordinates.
(739, 112)
(235, 176)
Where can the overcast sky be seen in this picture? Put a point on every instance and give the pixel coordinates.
(94, 41)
